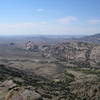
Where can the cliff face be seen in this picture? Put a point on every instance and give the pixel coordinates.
(95, 56)
(78, 53)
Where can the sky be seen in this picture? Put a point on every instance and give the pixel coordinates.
(55, 17)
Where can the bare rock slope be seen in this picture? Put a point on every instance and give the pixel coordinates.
(78, 53)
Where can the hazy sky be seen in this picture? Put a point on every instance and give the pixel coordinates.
(49, 17)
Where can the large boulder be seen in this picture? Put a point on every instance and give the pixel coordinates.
(23, 93)
(8, 84)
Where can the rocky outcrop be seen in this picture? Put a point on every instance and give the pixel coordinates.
(23, 93)
(95, 56)
(78, 53)
(8, 84)
(32, 47)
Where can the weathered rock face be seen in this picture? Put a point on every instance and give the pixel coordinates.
(23, 93)
(8, 84)
(30, 46)
(79, 53)
(95, 56)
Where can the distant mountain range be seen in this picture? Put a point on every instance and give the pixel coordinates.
(65, 38)
(53, 38)
(92, 38)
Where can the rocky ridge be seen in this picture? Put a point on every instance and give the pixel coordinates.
(78, 53)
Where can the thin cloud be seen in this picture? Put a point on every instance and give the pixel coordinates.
(45, 28)
(94, 21)
(40, 9)
(67, 20)
(17, 28)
